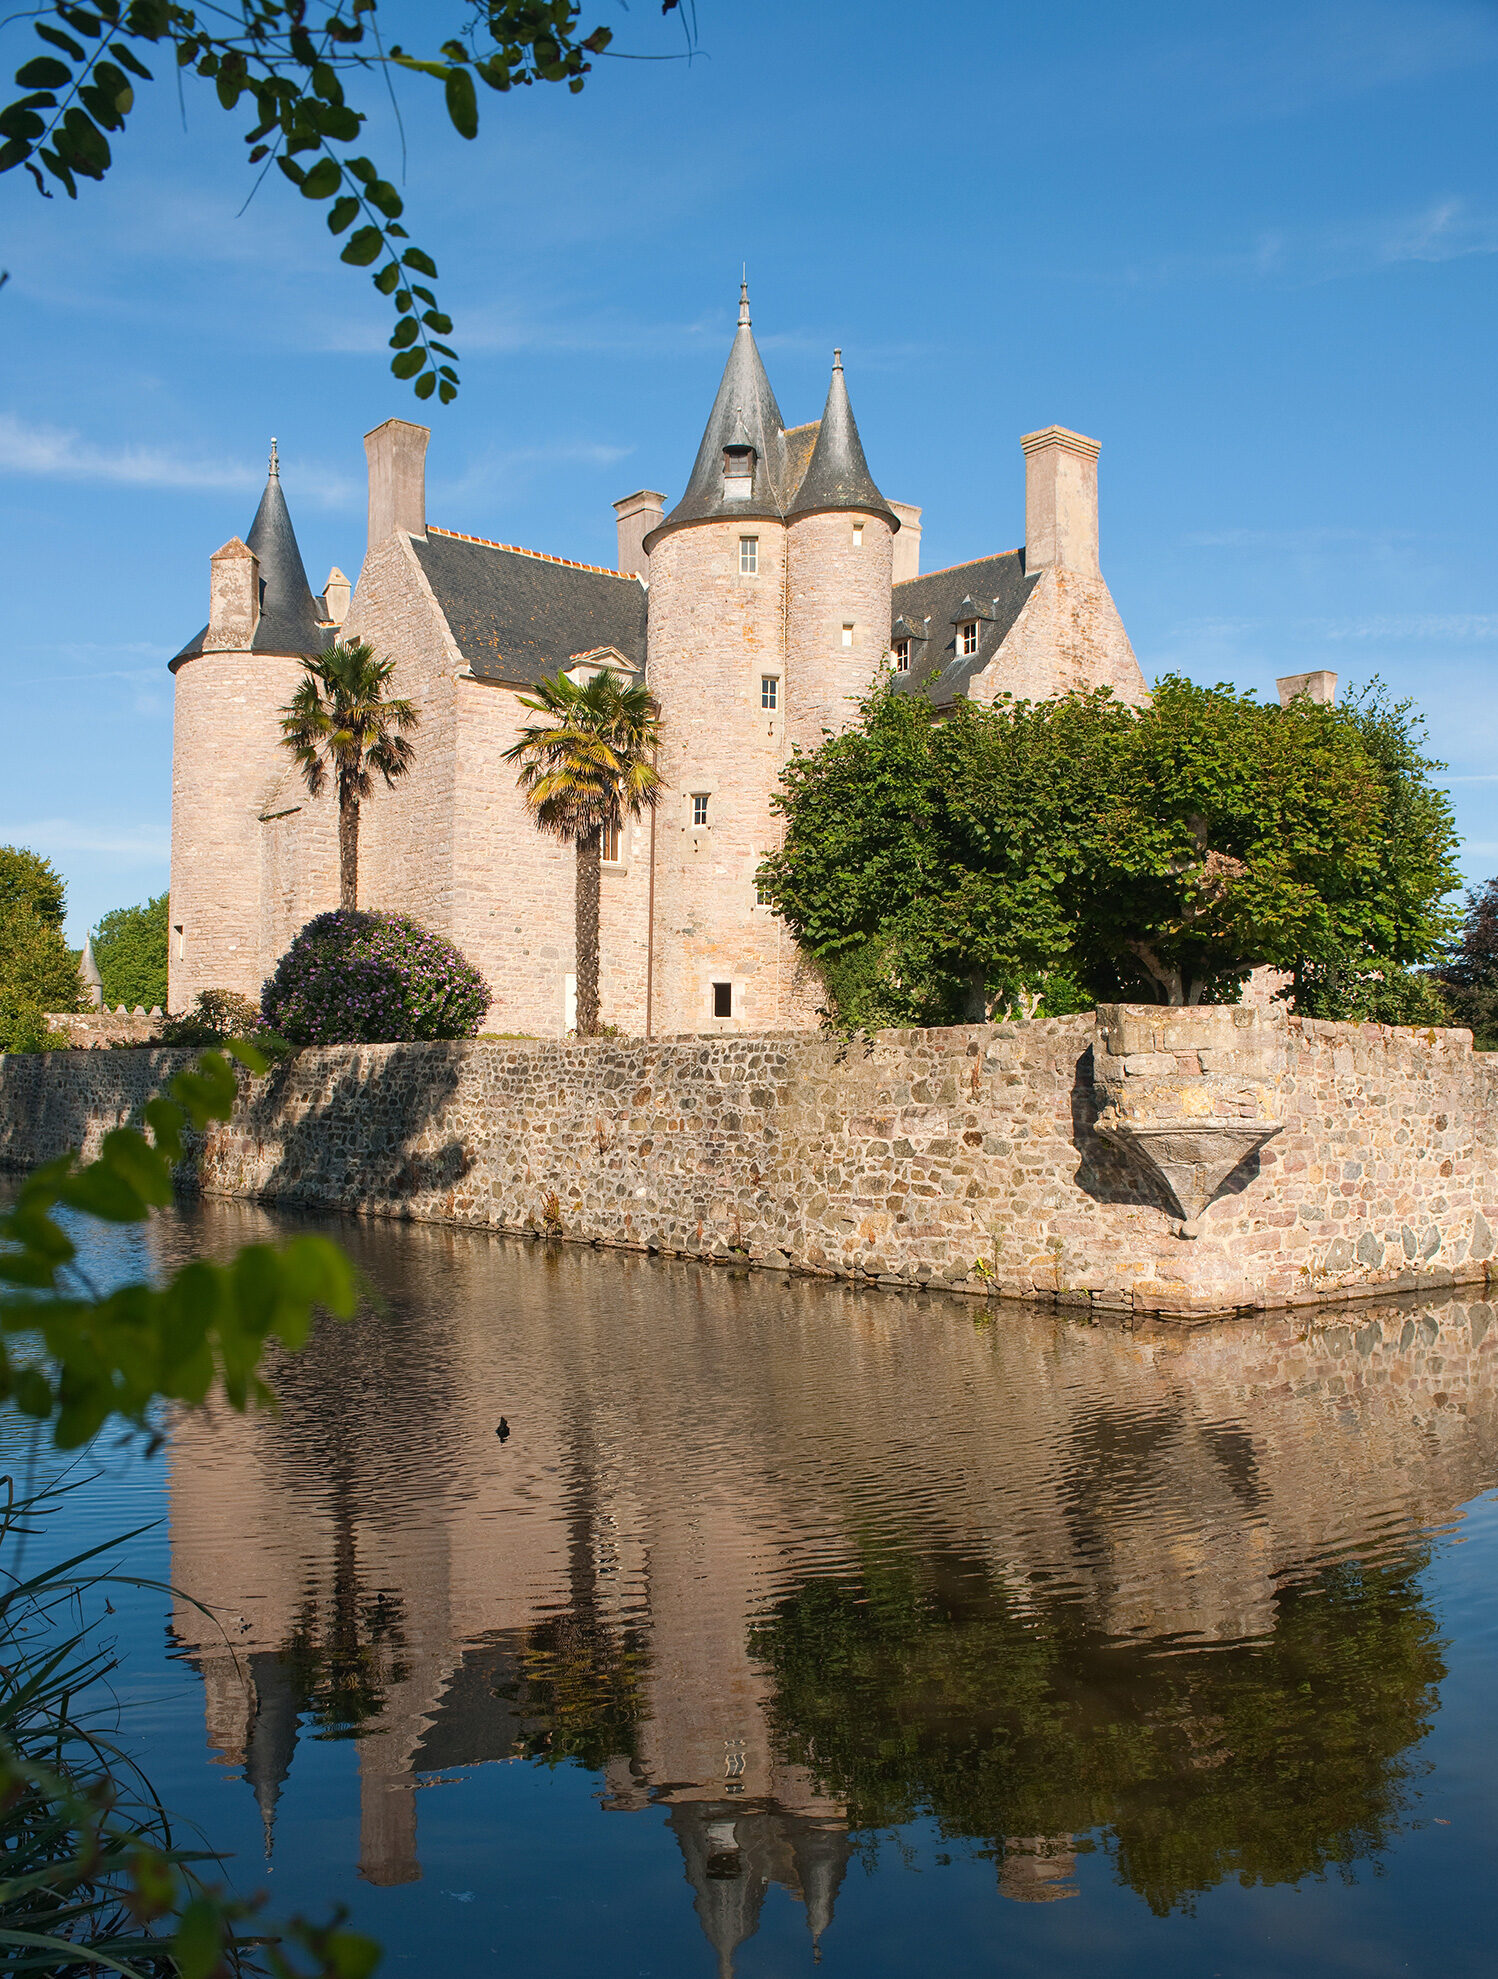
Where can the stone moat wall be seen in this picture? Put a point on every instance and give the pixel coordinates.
(1031, 1159)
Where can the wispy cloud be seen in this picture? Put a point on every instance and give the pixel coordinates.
(506, 471)
(1461, 628)
(1293, 541)
(57, 453)
(142, 843)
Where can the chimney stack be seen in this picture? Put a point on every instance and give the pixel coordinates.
(233, 598)
(1060, 501)
(1315, 686)
(397, 453)
(335, 596)
(907, 549)
(638, 514)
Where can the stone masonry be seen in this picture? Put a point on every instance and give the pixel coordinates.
(968, 1159)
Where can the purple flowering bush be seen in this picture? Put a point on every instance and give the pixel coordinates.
(352, 978)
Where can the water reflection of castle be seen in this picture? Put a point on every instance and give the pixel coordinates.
(715, 1482)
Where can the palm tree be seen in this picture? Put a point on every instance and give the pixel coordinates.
(583, 770)
(340, 718)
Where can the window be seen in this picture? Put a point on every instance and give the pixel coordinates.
(181, 941)
(699, 808)
(969, 635)
(769, 691)
(722, 999)
(610, 845)
(748, 556)
(762, 894)
(858, 535)
(738, 473)
(847, 635)
(902, 656)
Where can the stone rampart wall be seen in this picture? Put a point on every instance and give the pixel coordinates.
(967, 1158)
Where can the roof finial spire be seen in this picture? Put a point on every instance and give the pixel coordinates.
(744, 297)
(275, 464)
(837, 360)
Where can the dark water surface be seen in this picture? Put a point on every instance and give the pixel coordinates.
(793, 1622)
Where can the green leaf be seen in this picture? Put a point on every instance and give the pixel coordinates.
(60, 40)
(323, 180)
(441, 70)
(386, 198)
(388, 279)
(105, 1193)
(425, 385)
(137, 1163)
(345, 212)
(250, 1056)
(362, 247)
(408, 363)
(199, 1940)
(44, 73)
(422, 263)
(447, 392)
(362, 170)
(406, 333)
(136, 67)
(462, 103)
(435, 320)
(296, 173)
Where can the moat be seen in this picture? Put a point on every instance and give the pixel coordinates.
(791, 1621)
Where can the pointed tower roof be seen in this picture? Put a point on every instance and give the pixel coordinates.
(838, 476)
(288, 612)
(744, 414)
(88, 969)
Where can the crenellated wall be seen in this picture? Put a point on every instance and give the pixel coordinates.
(1010, 1159)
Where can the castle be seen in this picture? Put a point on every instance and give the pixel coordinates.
(758, 610)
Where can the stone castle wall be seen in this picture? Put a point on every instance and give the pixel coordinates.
(969, 1158)
(1067, 637)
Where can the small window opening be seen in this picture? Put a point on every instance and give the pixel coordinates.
(769, 691)
(610, 845)
(748, 556)
(847, 635)
(181, 941)
(722, 999)
(902, 656)
(761, 894)
(858, 535)
(699, 808)
(738, 473)
(969, 638)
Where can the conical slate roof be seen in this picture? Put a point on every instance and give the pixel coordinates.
(744, 414)
(288, 611)
(838, 476)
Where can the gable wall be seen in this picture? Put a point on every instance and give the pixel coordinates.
(1068, 636)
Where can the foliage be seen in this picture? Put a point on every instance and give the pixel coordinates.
(584, 768)
(294, 75)
(1470, 976)
(907, 1691)
(216, 1016)
(29, 880)
(130, 947)
(579, 1694)
(1370, 996)
(372, 979)
(38, 971)
(1031, 857)
(340, 717)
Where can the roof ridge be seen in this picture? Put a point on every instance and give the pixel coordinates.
(991, 557)
(542, 556)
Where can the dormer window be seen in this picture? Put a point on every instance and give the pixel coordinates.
(967, 635)
(738, 473)
(902, 656)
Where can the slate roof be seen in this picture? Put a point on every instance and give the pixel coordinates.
(288, 610)
(999, 584)
(517, 615)
(838, 476)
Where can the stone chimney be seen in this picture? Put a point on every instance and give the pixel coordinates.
(335, 596)
(907, 548)
(1060, 501)
(638, 514)
(233, 598)
(1315, 686)
(397, 454)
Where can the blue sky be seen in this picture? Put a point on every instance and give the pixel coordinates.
(1252, 249)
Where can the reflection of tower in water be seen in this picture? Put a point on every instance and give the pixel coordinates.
(691, 1454)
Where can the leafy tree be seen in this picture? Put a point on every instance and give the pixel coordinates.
(340, 717)
(38, 971)
(1035, 856)
(130, 947)
(926, 1688)
(584, 769)
(295, 76)
(1470, 977)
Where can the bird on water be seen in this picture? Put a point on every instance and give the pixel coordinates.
(504, 1429)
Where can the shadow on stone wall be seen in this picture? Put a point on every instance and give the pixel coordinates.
(357, 1144)
(1105, 1172)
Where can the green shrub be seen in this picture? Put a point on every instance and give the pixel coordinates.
(352, 978)
(216, 1015)
(23, 1027)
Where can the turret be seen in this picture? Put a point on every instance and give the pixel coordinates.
(841, 533)
(235, 899)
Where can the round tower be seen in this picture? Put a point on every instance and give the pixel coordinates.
(839, 553)
(242, 825)
(721, 961)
